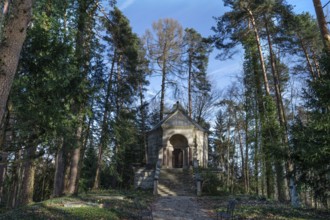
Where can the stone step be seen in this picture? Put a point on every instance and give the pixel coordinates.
(176, 182)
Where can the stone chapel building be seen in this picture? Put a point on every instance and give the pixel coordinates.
(177, 140)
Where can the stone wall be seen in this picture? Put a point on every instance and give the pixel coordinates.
(144, 178)
(154, 143)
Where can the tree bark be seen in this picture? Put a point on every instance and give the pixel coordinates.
(74, 163)
(240, 142)
(261, 58)
(325, 35)
(143, 123)
(15, 186)
(59, 171)
(14, 34)
(259, 126)
(28, 176)
(189, 86)
(105, 130)
(316, 63)
(3, 152)
(281, 117)
(309, 65)
(86, 12)
(162, 95)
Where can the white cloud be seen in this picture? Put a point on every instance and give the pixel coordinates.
(126, 4)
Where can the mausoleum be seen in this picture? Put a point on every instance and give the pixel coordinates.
(177, 140)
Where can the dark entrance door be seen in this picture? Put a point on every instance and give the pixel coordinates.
(177, 158)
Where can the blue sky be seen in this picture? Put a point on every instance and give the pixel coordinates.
(197, 14)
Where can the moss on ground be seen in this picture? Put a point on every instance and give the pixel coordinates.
(103, 205)
(249, 207)
(114, 204)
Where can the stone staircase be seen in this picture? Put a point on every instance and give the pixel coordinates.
(176, 182)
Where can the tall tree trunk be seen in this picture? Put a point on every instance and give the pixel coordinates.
(4, 140)
(256, 157)
(261, 58)
(281, 116)
(104, 132)
(16, 177)
(241, 151)
(86, 13)
(60, 164)
(246, 157)
(316, 64)
(189, 86)
(74, 162)
(162, 95)
(322, 25)
(283, 123)
(14, 34)
(28, 176)
(228, 167)
(143, 121)
(259, 124)
(309, 64)
(3, 169)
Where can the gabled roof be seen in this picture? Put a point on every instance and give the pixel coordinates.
(178, 117)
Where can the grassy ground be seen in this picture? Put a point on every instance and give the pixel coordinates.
(94, 205)
(250, 207)
(102, 205)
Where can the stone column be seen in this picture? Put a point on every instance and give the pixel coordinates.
(164, 162)
(199, 188)
(170, 156)
(184, 158)
(161, 154)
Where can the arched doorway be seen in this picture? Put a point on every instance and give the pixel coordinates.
(180, 151)
(177, 158)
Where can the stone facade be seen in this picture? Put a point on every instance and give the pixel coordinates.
(177, 140)
(144, 178)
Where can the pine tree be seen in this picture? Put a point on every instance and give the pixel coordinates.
(196, 52)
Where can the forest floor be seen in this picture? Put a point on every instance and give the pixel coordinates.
(121, 205)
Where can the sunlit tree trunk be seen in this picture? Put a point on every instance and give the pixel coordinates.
(322, 25)
(259, 157)
(163, 87)
(240, 142)
(13, 37)
(261, 57)
(309, 64)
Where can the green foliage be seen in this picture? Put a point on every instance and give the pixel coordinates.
(88, 169)
(211, 185)
(311, 138)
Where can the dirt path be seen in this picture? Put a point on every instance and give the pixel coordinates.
(178, 208)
